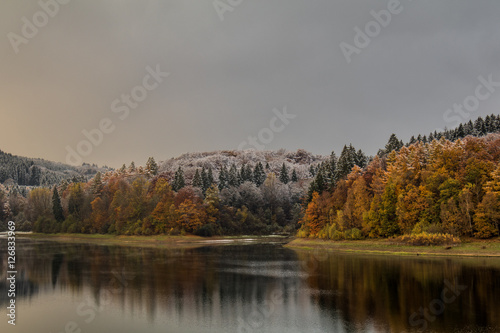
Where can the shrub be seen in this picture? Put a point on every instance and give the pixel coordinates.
(302, 233)
(323, 233)
(46, 225)
(424, 226)
(353, 234)
(425, 238)
(338, 235)
(112, 229)
(207, 230)
(69, 225)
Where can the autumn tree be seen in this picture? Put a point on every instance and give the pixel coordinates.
(411, 207)
(163, 215)
(78, 202)
(212, 204)
(40, 203)
(487, 217)
(358, 200)
(191, 215)
(119, 208)
(389, 225)
(100, 215)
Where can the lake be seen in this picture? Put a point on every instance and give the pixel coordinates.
(254, 287)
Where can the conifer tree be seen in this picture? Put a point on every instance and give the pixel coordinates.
(361, 159)
(234, 177)
(179, 181)
(318, 185)
(248, 173)
(35, 174)
(223, 178)
(312, 171)
(284, 177)
(151, 167)
(295, 178)
(204, 179)
(259, 175)
(197, 182)
(56, 206)
(243, 173)
(346, 161)
(332, 174)
(393, 144)
(132, 168)
(210, 178)
(97, 185)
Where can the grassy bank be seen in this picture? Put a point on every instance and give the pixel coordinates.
(188, 241)
(468, 248)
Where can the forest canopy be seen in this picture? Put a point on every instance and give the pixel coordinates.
(444, 182)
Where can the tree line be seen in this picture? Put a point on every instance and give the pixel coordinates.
(440, 186)
(444, 182)
(140, 201)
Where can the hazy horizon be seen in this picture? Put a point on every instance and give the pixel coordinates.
(206, 76)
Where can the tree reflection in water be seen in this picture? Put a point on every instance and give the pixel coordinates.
(260, 287)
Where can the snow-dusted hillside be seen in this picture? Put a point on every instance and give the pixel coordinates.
(299, 160)
(24, 171)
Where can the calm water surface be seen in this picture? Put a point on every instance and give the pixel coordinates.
(65, 287)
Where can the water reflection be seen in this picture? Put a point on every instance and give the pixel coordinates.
(250, 288)
(404, 294)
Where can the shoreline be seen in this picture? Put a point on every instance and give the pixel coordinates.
(468, 248)
(161, 241)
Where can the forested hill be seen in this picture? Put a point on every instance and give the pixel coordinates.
(421, 185)
(299, 161)
(24, 171)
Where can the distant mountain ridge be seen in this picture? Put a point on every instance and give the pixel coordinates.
(25, 171)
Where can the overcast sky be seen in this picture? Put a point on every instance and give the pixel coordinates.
(226, 76)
